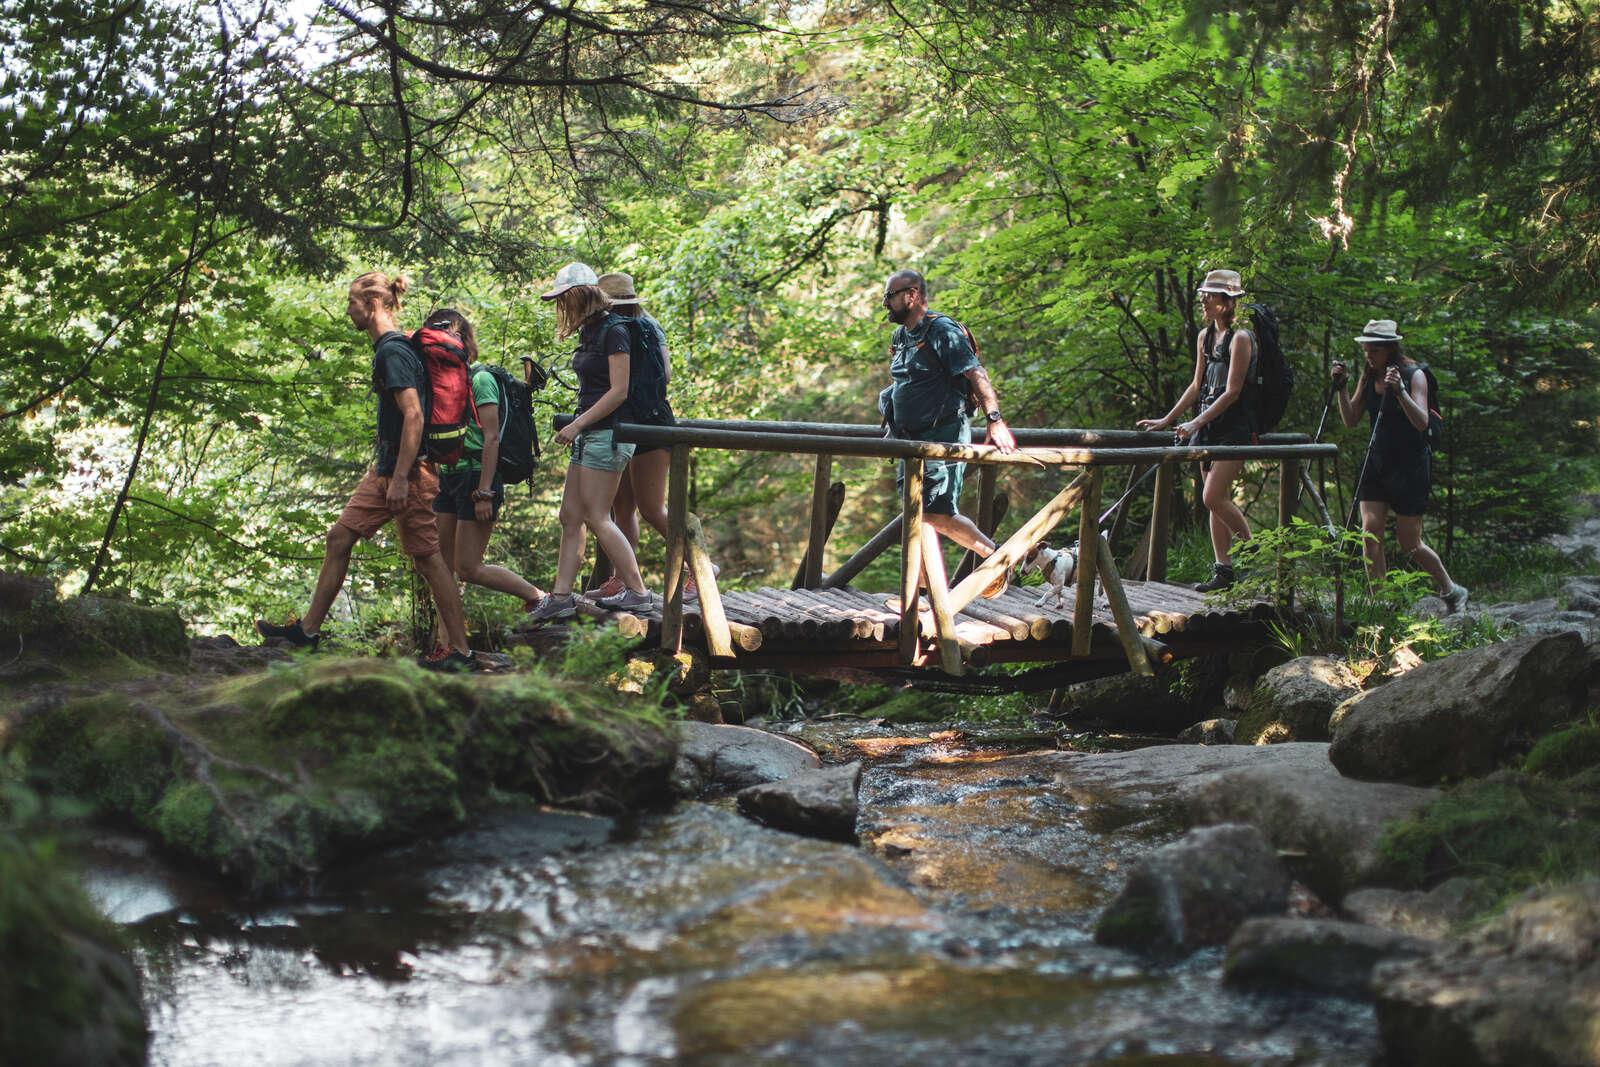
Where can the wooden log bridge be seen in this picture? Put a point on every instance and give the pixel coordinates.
(1101, 624)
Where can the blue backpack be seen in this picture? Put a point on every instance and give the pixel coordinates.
(647, 370)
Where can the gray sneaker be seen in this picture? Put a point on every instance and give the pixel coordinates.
(553, 607)
(1456, 598)
(627, 600)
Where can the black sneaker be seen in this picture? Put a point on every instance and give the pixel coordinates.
(454, 663)
(290, 632)
(1221, 578)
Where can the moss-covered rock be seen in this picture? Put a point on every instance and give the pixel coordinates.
(68, 994)
(273, 776)
(89, 633)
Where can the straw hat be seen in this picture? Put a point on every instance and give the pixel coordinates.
(619, 287)
(1379, 330)
(1225, 282)
(568, 276)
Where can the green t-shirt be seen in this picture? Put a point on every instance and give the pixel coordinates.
(484, 391)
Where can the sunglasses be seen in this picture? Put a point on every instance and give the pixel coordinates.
(892, 293)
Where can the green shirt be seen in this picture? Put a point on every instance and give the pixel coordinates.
(484, 391)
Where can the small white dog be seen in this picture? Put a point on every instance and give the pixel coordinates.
(1057, 566)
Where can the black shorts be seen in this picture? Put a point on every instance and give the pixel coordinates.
(1227, 430)
(669, 419)
(1403, 485)
(455, 495)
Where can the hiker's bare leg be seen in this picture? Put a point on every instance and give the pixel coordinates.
(647, 482)
(471, 540)
(595, 491)
(623, 510)
(339, 543)
(446, 598)
(1374, 513)
(962, 530)
(1227, 520)
(447, 552)
(1408, 531)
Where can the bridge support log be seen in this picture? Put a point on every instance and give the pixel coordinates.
(818, 536)
(1016, 546)
(910, 561)
(865, 554)
(987, 520)
(1088, 555)
(719, 639)
(944, 623)
(1117, 597)
(1155, 565)
(804, 576)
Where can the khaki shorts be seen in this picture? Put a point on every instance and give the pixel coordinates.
(598, 450)
(368, 510)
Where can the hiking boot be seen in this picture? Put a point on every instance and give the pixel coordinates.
(554, 607)
(290, 632)
(453, 663)
(1221, 578)
(627, 600)
(1456, 598)
(998, 586)
(610, 587)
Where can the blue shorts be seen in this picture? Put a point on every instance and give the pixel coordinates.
(941, 479)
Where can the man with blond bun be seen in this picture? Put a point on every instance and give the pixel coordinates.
(397, 487)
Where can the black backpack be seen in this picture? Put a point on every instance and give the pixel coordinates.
(1435, 420)
(647, 372)
(519, 444)
(1274, 377)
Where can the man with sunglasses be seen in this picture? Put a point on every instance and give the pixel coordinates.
(937, 380)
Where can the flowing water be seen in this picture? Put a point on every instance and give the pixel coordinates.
(960, 932)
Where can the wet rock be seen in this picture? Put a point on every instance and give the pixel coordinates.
(1196, 891)
(1522, 991)
(728, 758)
(1431, 914)
(1462, 715)
(820, 803)
(267, 779)
(1210, 732)
(1330, 824)
(1294, 701)
(1126, 702)
(1322, 955)
(68, 994)
(1582, 594)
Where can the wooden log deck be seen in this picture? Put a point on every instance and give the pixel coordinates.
(1101, 625)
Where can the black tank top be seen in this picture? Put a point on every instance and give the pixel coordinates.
(1397, 438)
(1215, 382)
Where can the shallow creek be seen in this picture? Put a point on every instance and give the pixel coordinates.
(958, 933)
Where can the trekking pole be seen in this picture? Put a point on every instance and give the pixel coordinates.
(1316, 438)
(1123, 499)
(1355, 502)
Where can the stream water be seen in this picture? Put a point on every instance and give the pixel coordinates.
(959, 932)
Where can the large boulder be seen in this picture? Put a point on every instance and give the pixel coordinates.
(716, 758)
(1293, 701)
(1582, 594)
(1435, 913)
(83, 636)
(819, 803)
(1196, 891)
(1330, 824)
(1321, 955)
(1524, 991)
(1140, 703)
(1545, 616)
(1462, 715)
(1210, 732)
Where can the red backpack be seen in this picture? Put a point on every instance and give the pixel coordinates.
(447, 402)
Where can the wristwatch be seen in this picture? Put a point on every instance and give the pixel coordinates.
(483, 494)
(993, 416)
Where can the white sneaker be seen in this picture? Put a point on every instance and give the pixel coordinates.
(553, 607)
(627, 600)
(1456, 598)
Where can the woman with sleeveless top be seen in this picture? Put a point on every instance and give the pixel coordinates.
(1396, 472)
(1224, 355)
(597, 459)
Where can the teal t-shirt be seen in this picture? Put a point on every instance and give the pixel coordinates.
(484, 391)
(928, 367)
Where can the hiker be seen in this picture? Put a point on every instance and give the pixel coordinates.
(470, 488)
(1224, 354)
(1397, 470)
(643, 489)
(397, 487)
(597, 459)
(936, 377)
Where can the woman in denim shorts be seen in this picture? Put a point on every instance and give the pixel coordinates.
(597, 459)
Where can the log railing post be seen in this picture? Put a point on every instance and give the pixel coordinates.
(818, 536)
(1155, 568)
(910, 561)
(1088, 563)
(677, 548)
(986, 518)
(1288, 494)
(719, 639)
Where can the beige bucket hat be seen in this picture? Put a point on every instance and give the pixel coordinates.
(568, 276)
(1379, 330)
(619, 287)
(1225, 282)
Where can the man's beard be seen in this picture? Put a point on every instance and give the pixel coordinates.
(898, 316)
